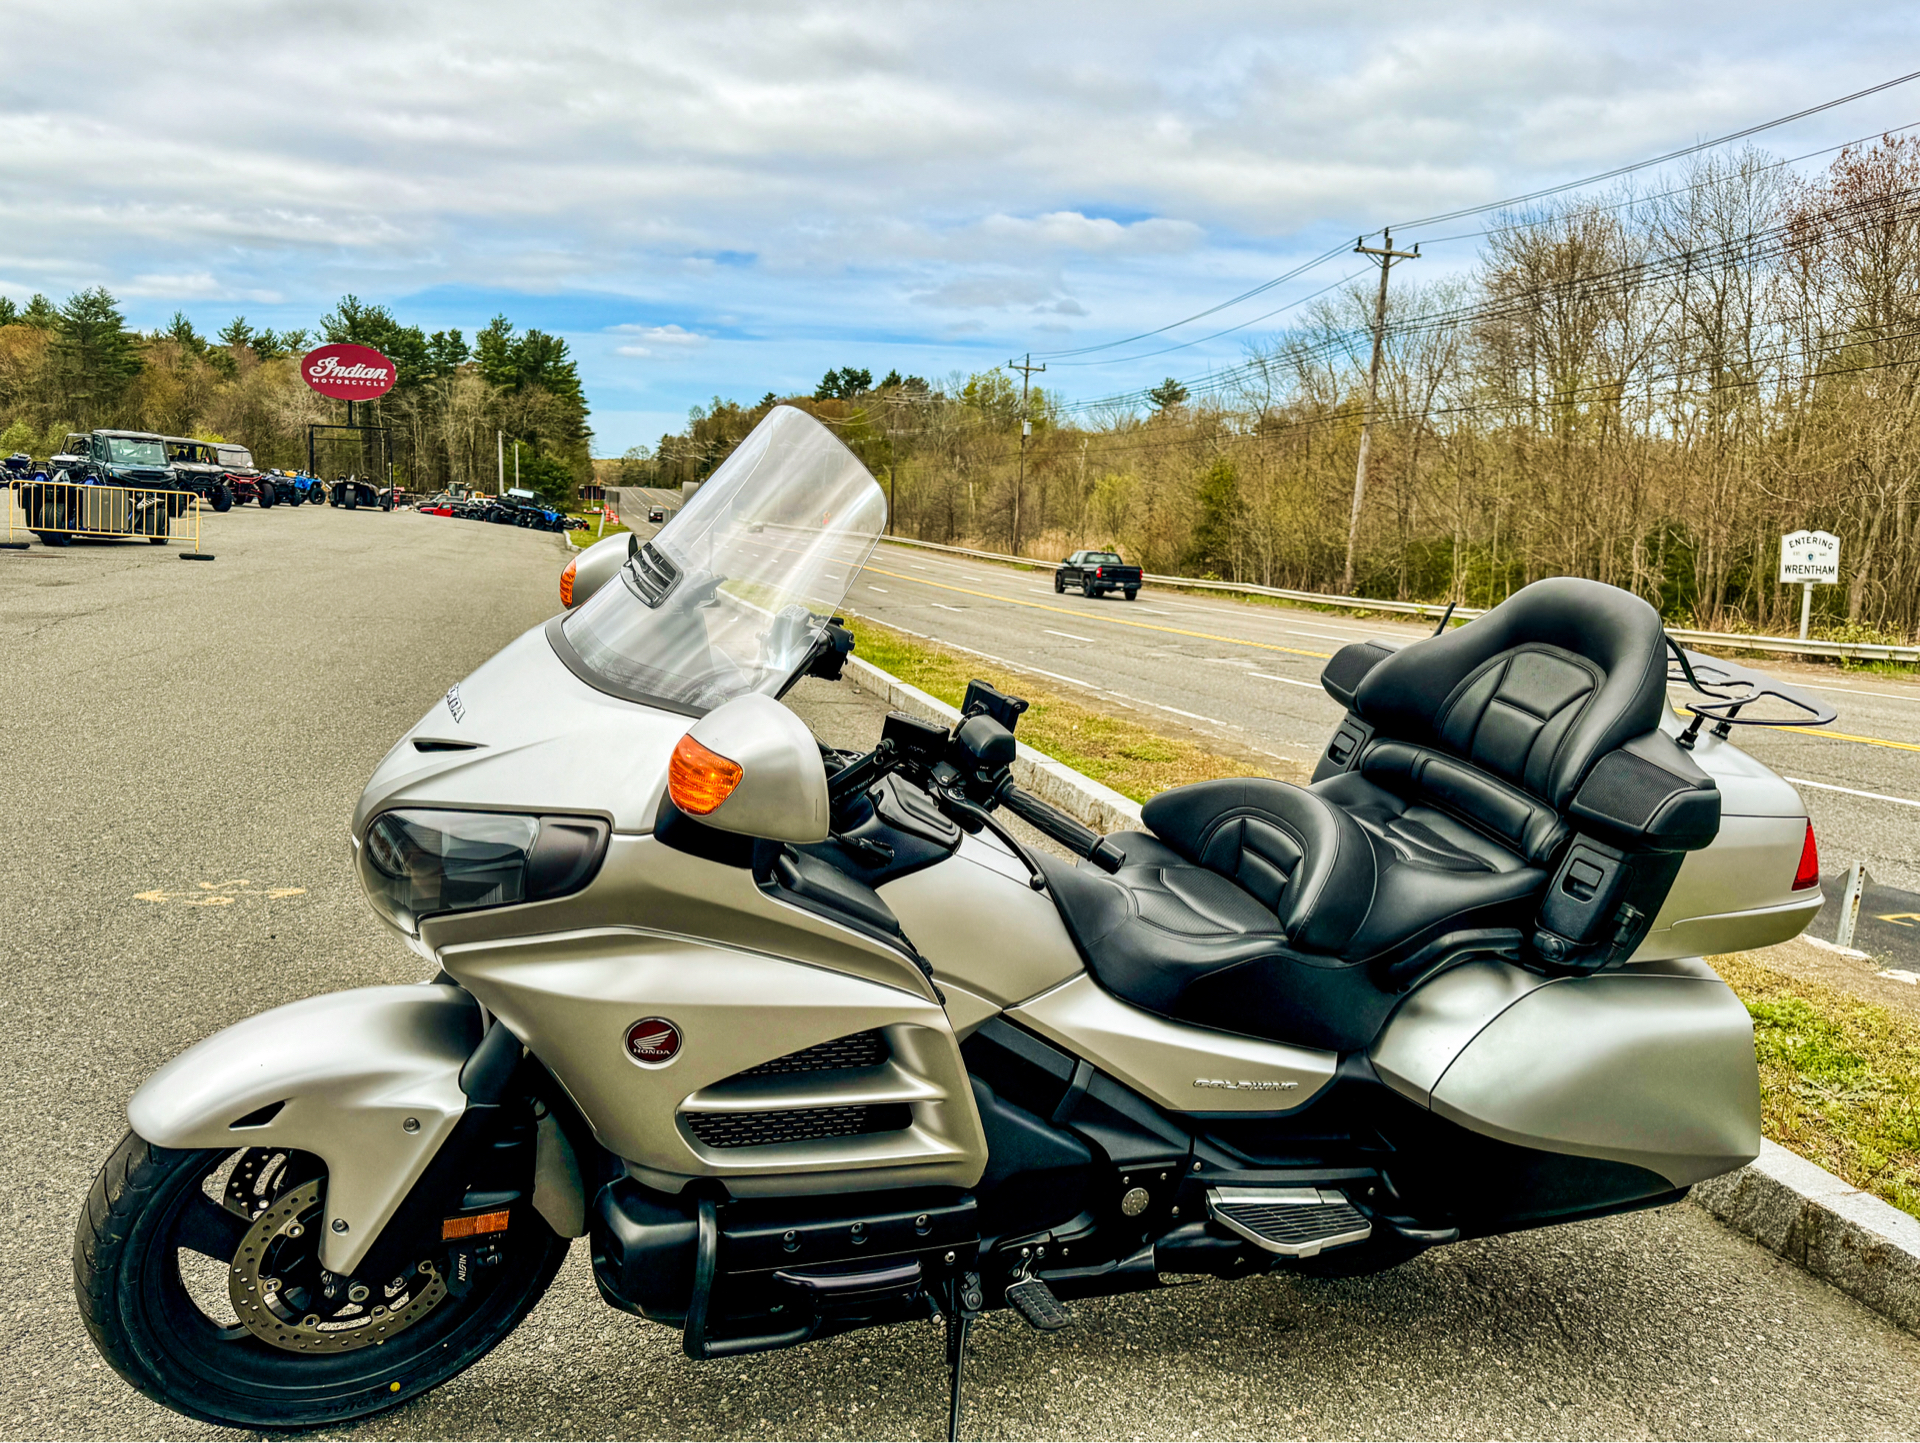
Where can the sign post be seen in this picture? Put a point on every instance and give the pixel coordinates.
(1811, 558)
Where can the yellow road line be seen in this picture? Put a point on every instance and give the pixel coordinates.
(1864, 741)
(1110, 620)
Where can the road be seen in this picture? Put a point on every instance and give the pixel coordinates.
(1248, 672)
(178, 734)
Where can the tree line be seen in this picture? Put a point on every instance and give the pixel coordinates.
(1645, 389)
(78, 366)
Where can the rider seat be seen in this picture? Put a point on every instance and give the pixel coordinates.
(1472, 768)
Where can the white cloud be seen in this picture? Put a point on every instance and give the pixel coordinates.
(804, 167)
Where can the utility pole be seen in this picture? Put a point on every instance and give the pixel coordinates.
(500, 462)
(1026, 370)
(1386, 255)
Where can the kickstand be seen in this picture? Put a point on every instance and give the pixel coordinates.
(957, 1326)
(966, 1301)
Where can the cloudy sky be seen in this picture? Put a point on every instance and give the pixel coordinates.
(732, 198)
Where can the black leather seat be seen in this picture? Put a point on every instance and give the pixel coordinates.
(1286, 912)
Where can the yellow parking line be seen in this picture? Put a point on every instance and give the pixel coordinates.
(1082, 613)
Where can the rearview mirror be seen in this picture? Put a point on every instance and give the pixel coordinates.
(752, 767)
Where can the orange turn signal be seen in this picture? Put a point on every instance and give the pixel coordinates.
(566, 582)
(699, 779)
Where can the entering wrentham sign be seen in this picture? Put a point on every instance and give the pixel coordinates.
(349, 372)
(1810, 556)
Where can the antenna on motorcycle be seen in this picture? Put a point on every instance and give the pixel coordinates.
(1445, 616)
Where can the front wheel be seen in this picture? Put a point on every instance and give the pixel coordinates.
(350, 497)
(198, 1278)
(223, 498)
(1058, 586)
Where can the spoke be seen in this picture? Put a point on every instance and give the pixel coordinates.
(207, 1228)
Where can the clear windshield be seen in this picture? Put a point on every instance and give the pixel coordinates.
(730, 595)
(128, 452)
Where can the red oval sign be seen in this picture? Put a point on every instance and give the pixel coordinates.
(353, 373)
(653, 1039)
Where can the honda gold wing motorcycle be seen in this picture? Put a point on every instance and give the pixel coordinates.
(803, 1041)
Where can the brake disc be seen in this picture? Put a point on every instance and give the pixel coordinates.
(275, 1285)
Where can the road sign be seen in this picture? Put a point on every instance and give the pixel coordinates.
(1809, 557)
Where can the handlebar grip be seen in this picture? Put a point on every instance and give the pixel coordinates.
(1080, 840)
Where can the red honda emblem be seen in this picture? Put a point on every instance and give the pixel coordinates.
(653, 1039)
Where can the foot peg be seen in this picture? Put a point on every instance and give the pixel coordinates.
(1294, 1222)
(1033, 1300)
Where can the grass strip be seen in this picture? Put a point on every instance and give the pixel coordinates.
(1135, 760)
(1839, 1078)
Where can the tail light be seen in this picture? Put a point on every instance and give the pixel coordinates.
(1808, 874)
(566, 582)
(1099, 571)
(699, 779)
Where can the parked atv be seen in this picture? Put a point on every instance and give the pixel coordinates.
(197, 468)
(351, 493)
(246, 479)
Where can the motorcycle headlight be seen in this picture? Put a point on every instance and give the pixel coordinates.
(415, 864)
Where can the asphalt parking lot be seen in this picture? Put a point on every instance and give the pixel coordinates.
(184, 744)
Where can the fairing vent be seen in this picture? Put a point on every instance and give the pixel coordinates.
(859, 1049)
(653, 575)
(804, 1124)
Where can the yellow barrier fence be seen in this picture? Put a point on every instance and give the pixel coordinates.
(58, 511)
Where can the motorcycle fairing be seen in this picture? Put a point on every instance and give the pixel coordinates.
(368, 1080)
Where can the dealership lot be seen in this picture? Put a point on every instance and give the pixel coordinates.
(184, 746)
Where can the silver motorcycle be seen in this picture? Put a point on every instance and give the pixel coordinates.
(803, 1041)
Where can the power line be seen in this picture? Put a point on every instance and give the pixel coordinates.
(1511, 201)
(1680, 154)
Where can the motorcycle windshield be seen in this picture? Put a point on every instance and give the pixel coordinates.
(732, 594)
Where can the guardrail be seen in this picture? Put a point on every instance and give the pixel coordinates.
(58, 511)
(1428, 610)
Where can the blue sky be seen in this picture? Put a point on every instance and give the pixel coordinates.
(730, 199)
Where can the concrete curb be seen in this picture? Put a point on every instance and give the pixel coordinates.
(1866, 1248)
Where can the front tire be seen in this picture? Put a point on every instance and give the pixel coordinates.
(149, 1209)
(350, 498)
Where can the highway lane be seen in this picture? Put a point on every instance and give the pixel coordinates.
(1248, 672)
(180, 734)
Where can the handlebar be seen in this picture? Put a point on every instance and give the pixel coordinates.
(1044, 818)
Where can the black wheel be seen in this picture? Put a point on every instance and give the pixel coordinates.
(1132, 592)
(266, 496)
(173, 1248)
(156, 541)
(351, 497)
(1058, 586)
(223, 498)
(1087, 588)
(54, 538)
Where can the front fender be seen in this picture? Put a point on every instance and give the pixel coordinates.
(369, 1080)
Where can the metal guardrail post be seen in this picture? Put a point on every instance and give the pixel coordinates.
(1850, 890)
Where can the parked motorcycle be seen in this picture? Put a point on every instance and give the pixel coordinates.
(805, 1041)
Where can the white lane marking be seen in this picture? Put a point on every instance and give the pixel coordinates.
(944, 607)
(916, 566)
(1850, 791)
(1054, 674)
(1070, 636)
(1268, 676)
(1225, 661)
(1151, 611)
(1854, 690)
(1194, 714)
(881, 589)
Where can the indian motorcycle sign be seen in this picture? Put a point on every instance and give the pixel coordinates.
(350, 372)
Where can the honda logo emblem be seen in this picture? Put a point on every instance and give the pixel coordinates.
(653, 1040)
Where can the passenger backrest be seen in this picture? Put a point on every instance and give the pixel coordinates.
(1533, 693)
